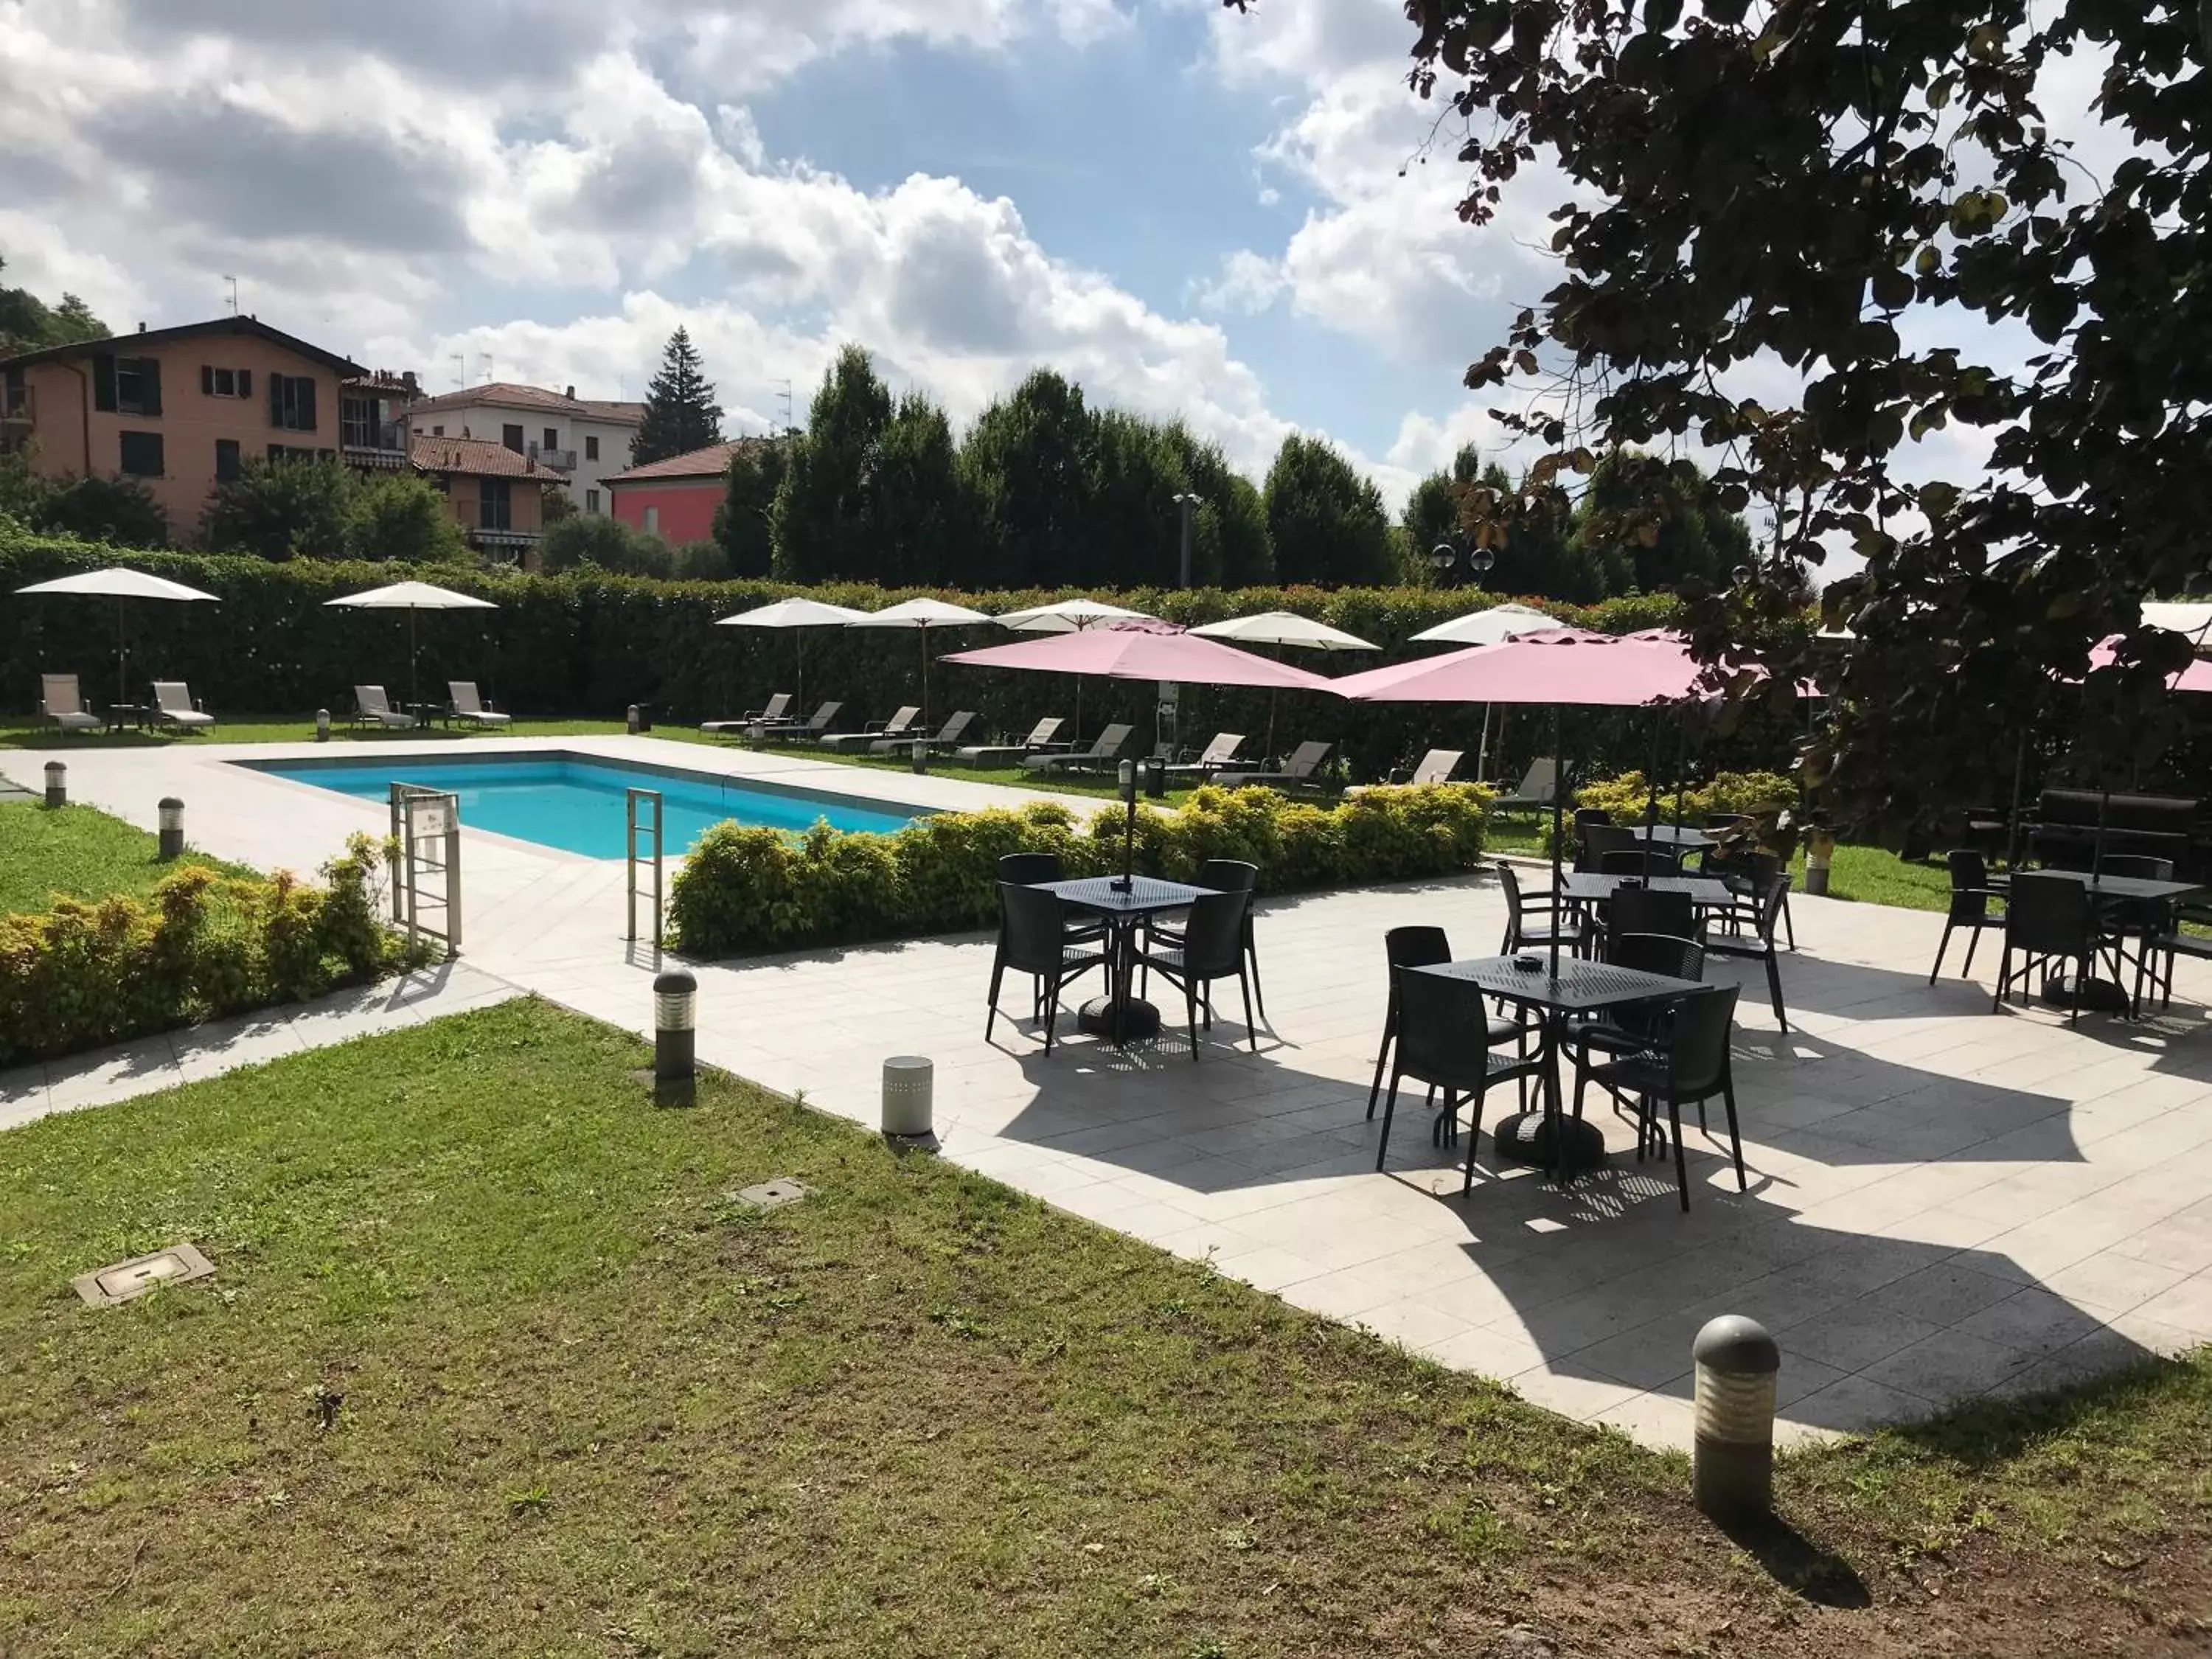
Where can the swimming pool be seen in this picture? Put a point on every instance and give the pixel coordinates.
(576, 804)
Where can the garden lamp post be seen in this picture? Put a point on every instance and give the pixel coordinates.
(1187, 501)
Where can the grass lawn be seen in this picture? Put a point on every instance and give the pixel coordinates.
(492, 1364)
(82, 852)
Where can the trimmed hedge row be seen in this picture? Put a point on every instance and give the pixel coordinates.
(586, 644)
(749, 889)
(205, 946)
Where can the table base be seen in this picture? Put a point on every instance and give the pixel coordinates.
(1526, 1138)
(1138, 1018)
(2096, 996)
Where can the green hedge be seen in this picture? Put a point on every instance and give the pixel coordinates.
(1626, 796)
(586, 644)
(748, 890)
(206, 945)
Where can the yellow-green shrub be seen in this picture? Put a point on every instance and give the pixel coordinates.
(756, 890)
(206, 944)
(1627, 795)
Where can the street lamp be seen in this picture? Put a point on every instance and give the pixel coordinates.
(1187, 501)
(1444, 559)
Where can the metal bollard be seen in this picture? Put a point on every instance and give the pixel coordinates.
(756, 734)
(909, 1097)
(1732, 1464)
(1156, 780)
(675, 1025)
(172, 827)
(322, 725)
(630, 723)
(922, 753)
(56, 784)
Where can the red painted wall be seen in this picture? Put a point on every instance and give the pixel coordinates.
(686, 505)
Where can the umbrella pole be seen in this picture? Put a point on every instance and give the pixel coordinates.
(1558, 834)
(1652, 798)
(924, 631)
(798, 647)
(414, 675)
(2012, 819)
(1482, 746)
(122, 657)
(1271, 695)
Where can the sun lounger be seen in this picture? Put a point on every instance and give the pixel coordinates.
(371, 707)
(1103, 753)
(948, 736)
(60, 702)
(173, 705)
(778, 707)
(1221, 752)
(1299, 772)
(1436, 767)
(791, 731)
(1536, 789)
(468, 705)
(900, 724)
(1041, 740)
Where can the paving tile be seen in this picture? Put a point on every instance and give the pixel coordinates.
(1853, 1405)
(2034, 1321)
(1855, 1335)
(1943, 1294)
(1946, 1366)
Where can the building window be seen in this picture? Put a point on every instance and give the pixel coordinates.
(141, 454)
(226, 382)
(652, 521)
(291, 402)
(552, 437)
(437, 432)
(591, 449)
(495, 503)
(126, 386)
(226, 464)
(590, 501)
(511, 437)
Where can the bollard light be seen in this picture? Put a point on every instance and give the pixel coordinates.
(922, 753)
(1732, 1464)
(630, 723)
(909, 1097)
(675, 1025)
(322, 725)
(756, 734)
(172, 827)
(56, 784)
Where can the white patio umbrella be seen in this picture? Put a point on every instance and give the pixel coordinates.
(1285, 628)
(1494, 626)
(120, 584)
(412, 597)
(921, 616)
(2189, 617)
(797, 615)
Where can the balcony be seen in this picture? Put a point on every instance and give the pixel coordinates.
(367, 442)
(560, 461)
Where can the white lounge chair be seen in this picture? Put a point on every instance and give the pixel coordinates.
(1300, 772)
(371, 707)
(1102, 753)
(948, 736)
(778, 707)
(900, 724)
(1436, 767)
(174, 705)
(791, 731)
(1221, 752)
(1536, 789)
(1041, 740)
(60, 702)
(468, 705)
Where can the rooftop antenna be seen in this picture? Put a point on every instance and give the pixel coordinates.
(785, 395)
(233, 301)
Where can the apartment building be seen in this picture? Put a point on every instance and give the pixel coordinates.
(586, 440)
(178, 409)
(497, 493)
(675, 499)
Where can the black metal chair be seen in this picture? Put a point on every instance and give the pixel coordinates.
(1640, 910)
(2143, 921)
(2167, 946)
(1033, 939)
(1221, 876)
(1444, 1040)
(1970, 894)
(2047, 918)
(1212, 948)
(1693, 1067)
(1758, 945)
(1597, 840)
(1428, 947)
(1560, 922)
(1638, 1026)
(1032, 869)
(1640, 861)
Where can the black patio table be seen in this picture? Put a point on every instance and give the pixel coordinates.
(1120, 1014)
(1588, 887)
(1669, 835)
(1578, 988)
(2103, 995)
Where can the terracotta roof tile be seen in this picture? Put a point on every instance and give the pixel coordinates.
(477, 456)
(508, 394)
(708, 463)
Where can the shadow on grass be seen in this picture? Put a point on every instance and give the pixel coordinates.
(1981, 1435)
(1804, 1568)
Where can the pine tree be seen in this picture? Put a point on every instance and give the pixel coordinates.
(681, 414)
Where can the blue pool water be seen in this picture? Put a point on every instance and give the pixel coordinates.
(576, 804)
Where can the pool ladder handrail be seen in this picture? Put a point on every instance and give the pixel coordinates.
(631, 859)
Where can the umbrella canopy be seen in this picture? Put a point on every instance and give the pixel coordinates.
(795, 613)
(1146, 651)
(1500, 623)
(412, 597)
(1068, 616)
(120, 584)
(921, 615)
(1285, 627)
(2197, 676)
(1561, 666)
(2192, 617)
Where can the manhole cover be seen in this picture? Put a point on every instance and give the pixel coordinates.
(771, 1194)
(106, 1286)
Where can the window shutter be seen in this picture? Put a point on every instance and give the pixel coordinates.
(277, 400)
(306, 383)
(149, 377)
(207, 381)
(103, 381)
(245, 383)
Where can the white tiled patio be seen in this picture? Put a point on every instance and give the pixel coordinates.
(1942, 1202)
